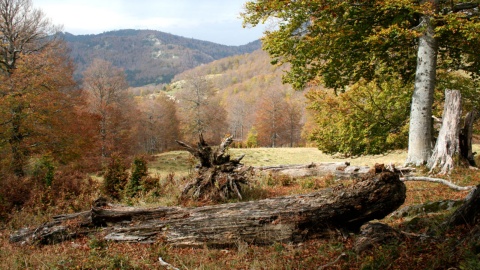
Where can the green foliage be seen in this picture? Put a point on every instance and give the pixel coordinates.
(342, 42)
(115, 177)
(139, 172)
(468, 87)
(369, 118)
(44, 170)
(252, 138)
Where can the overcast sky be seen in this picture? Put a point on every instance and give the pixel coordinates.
(212, 20)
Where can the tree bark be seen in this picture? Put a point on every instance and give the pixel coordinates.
(283, 219)
(420, 133)
(447, 149)
(466, 137)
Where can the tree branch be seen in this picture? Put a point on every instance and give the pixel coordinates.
(435, 180)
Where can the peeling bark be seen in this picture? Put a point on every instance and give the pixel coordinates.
(446, 154)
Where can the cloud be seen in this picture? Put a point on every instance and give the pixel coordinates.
(212, 20)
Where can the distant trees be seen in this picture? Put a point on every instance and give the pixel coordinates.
(159, 126)
(278, 119)
(252, 94)
(201, 111)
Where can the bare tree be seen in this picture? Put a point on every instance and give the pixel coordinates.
(106, 90)
(294, 111)
(23, 30)
(201, 111)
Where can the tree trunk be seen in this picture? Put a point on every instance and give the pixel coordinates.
(284, 219)
(447, 148)
(420, 133)
(466, 137)
(339, 170)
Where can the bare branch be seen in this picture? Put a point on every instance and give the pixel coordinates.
(436, 180)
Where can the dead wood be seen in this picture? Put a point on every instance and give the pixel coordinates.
(339, 170)
(284, 219)
(374, 233)
(436, 180)
(447, 148)
(466, 137)
(218, 177)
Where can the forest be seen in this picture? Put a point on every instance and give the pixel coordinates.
(100, 154)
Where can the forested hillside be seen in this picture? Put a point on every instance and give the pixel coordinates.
(148, 56)
(241, 95)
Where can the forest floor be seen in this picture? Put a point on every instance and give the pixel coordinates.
(172, 168)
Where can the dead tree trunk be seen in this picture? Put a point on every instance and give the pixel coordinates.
(283, 219)
(218, 177)
(466, 137)
(447, 148)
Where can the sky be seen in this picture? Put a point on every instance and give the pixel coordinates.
(211, 20)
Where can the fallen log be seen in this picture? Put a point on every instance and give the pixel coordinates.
(283, 219)
(339, 170)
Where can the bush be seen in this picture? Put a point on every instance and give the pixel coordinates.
(42, 170)
(14, 193)
(139, 172)
(115, 178)
(369, 118)
(252, 138)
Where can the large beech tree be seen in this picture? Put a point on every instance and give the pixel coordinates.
(337, 43)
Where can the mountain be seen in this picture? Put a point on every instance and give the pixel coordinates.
(148, 56)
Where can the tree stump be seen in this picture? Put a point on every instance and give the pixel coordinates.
(283, 219)
(447, 149)
(218, 177)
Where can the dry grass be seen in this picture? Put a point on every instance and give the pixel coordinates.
(181, 162)
(282, 156)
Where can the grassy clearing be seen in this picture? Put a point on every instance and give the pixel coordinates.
(181, 162)
(282, 156)
(93, 253)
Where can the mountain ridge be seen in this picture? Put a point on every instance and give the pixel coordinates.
(148, 56)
